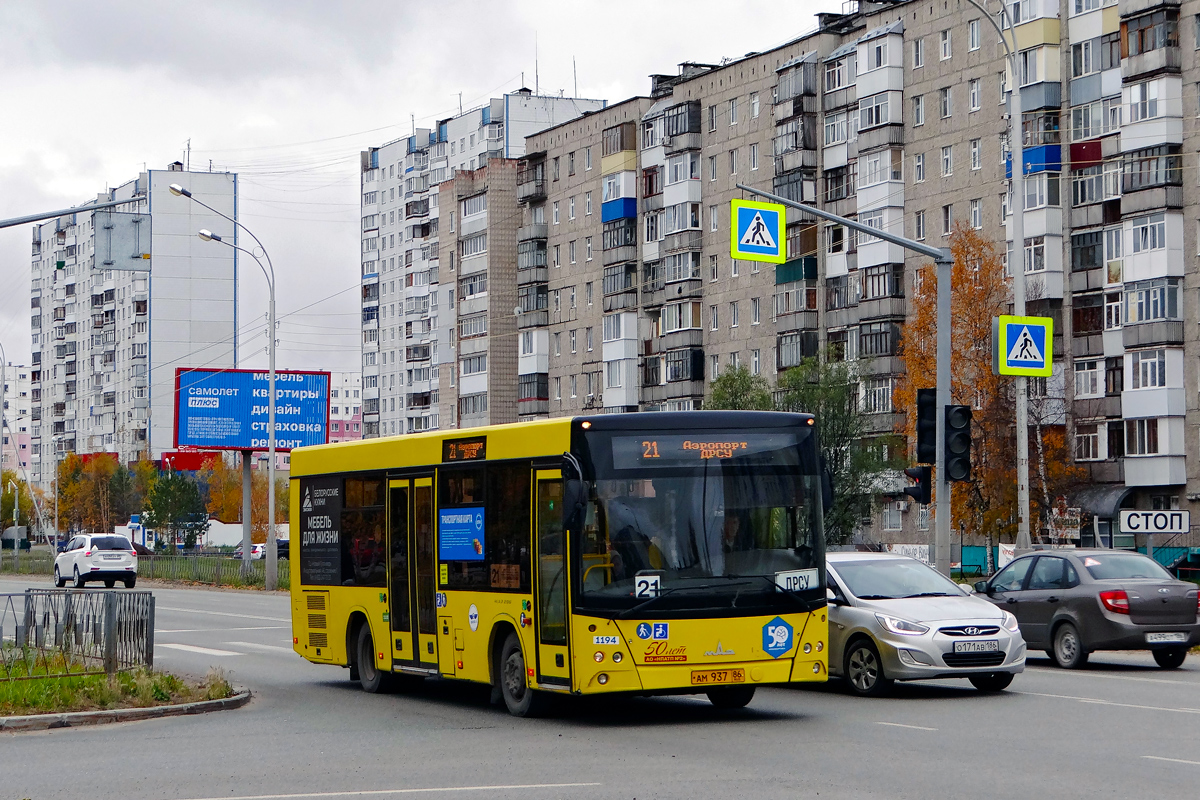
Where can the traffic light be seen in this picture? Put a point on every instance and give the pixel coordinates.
(958, 443)
(923, 491)
(926, 426)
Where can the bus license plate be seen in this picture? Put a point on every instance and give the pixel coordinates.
(1155, 638)
(989, 646)
(707, 677)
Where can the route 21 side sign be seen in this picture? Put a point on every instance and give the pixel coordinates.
(1021, 346)
(757, 231)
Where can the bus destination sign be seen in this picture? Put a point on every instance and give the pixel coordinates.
(473, 449)
(650, 450)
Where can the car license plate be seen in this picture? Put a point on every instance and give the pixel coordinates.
(1158, 638)
(706, 677)
(988, 646)
(112, 558)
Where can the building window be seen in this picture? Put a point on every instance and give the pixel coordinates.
(947, 160)
(919, 226)
(919, 168)
(946, 102)
(1027, 65)
(1084, 59)
(1151, 167)
(977, 214)
(1088, 379)
(873, 111)
(754, 105)
(713, 318)
(554, 212)
(1152, 301)
(755, 316)
(1041, 190)
(587, 202)
(890, 518)
(753, 156)
(1087, 442)
(976, 153)
(947, 219)
(612, 377)
(1141, 437)
(973, 94)
(973, 34)
(877, 396)
(944, 38)
(1149, 368)
(733, 162)
(1149, 233)
(1153, 31)
(835, 75)
(918, 53)
(733, 112)
(918, 103)
(712, 168)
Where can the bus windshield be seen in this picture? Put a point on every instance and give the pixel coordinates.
(708, 521)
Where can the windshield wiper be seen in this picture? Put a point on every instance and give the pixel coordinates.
(629, 612)
(926, 594)
(806, 605)
(877, 597)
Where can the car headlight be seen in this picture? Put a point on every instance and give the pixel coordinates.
(1010, 622)
(897, 625)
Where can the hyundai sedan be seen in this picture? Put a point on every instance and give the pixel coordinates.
(893, 618)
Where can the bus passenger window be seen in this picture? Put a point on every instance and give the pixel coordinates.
(364, 515)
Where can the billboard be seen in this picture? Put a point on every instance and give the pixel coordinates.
(227, 409)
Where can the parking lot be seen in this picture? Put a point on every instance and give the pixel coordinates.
(1119, 728)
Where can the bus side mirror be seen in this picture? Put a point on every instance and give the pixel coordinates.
(574, 494)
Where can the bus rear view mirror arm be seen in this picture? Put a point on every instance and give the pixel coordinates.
(574, 493)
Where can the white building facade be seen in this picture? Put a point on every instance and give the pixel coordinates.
(106, 342)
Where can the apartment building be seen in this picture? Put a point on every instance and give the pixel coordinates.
(106, 342)
(401, 216)
(894, 114)
(15, 452)
(345, 406)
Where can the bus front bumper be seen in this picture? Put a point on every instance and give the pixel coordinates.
(700, 677)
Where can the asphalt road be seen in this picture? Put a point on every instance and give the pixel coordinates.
(1120, 728)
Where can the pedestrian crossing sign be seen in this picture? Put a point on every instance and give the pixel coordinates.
(1022, 346)
(757, 231)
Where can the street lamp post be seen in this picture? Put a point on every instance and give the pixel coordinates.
(1016, 144)
(272, 566)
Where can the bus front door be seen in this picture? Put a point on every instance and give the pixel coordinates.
(554, 662)
(411, 599)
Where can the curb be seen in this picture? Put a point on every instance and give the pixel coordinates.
(41, 722)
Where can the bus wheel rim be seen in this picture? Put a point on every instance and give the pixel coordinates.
(514, 675)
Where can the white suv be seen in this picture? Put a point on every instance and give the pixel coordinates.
(96, 558)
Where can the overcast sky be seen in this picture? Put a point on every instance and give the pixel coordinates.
(287, 94)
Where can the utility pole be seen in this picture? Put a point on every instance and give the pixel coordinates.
(944, 262)
(1016, 262)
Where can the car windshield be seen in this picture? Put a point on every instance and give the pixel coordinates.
(1124, 565)
(111, 543)
(712, 531)
(894, 578)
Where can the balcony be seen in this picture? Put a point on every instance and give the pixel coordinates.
(531, 187)
(530, 275)
(681, 142)
(533, 319)
(537, 230)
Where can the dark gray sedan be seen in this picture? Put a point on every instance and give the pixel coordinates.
(1073, 602)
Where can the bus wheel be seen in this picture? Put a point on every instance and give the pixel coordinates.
(731, 696)
(520, 699)
(372, 678)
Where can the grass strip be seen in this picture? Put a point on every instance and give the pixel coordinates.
(132, 689)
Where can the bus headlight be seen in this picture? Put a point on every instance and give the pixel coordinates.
(617, 658)
(599, 656)
(601, 679)
(807, 647)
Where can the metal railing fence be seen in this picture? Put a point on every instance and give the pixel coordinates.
(63, 632)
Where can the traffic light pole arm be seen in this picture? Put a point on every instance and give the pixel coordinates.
(8, 223)
(944, 261)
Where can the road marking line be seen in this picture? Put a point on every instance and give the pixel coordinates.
(1073, 673)
(222, 614)
(223, 630)
(1174, 760)
(269, 647)
(380, 792)
(899, 725)
(1099, 702)
(204, 651)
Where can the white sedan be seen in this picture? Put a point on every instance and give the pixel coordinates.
(91, 557)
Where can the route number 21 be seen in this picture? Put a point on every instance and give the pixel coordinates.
(649, 449)
(646, 585)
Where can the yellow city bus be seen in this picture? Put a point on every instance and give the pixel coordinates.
(664, 553)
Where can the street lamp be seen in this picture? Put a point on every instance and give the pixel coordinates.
(1016, 144)
(272, 566)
